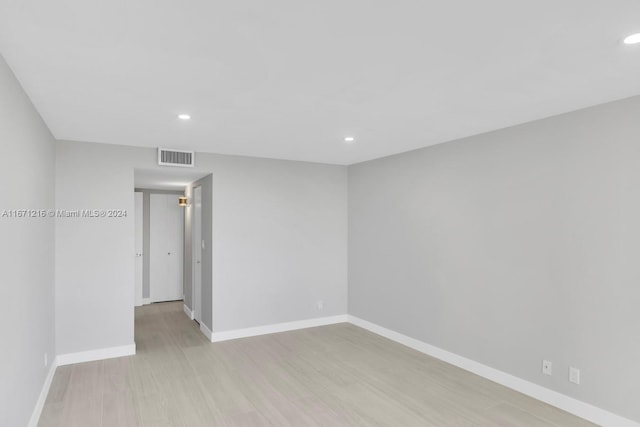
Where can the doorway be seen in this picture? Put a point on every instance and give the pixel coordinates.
(139, 243)
(159, 243)
(197, 247)
(166, 241)
(174, 261)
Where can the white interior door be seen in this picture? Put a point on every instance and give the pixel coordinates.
(197, 254)
(175, 247)
(139, 231)
(166, 230)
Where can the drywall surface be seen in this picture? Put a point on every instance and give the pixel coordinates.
(511, 247)
(95, 255)
(26, 251)
(279, 242)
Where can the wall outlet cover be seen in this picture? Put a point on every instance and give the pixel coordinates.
(574, 375)
(547, 367)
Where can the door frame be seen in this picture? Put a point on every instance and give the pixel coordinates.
(196, 254)
(138, 251)
(165, 207)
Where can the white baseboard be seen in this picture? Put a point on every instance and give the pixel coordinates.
(187, 311)
(37, 411)
(206, 331)
(100, 354)
(277, 327)
(146, 301)
(576, 407)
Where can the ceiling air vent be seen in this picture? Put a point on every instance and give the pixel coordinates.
(185, 159)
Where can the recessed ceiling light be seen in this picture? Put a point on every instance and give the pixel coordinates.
(349, 139)
(184, 116)
(632, 39)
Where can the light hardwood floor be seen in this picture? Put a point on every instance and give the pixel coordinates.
(337, 375)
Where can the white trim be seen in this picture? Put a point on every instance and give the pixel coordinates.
(101, 354)
(576, 407)
(206, 331)
(277, 327)
(146, 301)
(188, 312)
(37, 411)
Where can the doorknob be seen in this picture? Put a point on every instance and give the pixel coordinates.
(138, 254)
(198, 262)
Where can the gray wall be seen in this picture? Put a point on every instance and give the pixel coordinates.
(280, 242)
(26, 252)
(511, 247)
(94, 256)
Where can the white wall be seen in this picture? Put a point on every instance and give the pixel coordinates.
(511, 247)
(26, 252)
(279, 242)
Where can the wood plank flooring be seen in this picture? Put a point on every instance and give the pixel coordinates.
(338, 375)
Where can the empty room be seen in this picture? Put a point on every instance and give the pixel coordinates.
(320, 213)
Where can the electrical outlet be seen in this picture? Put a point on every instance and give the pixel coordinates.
(320, 304)
(46, 360)
(574, 375)
(547, 367)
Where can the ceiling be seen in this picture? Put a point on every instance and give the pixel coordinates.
(290, 79)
